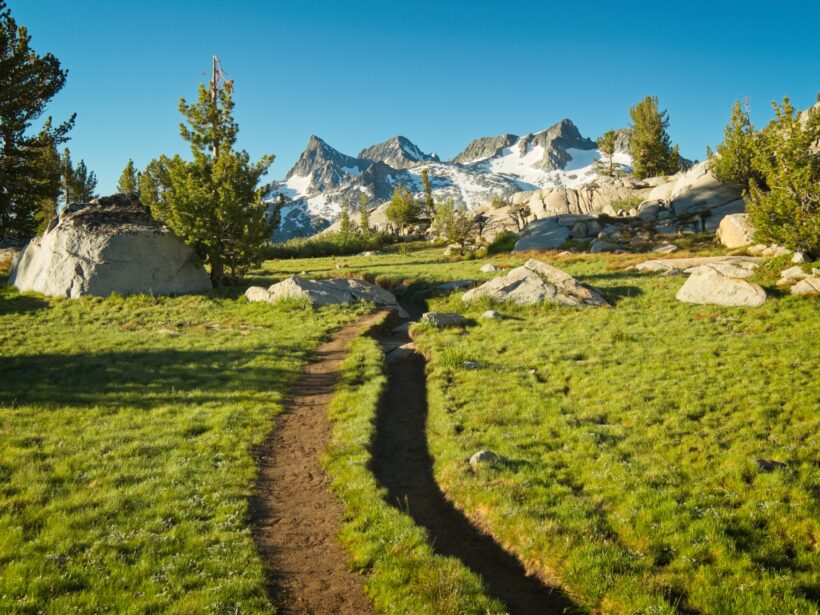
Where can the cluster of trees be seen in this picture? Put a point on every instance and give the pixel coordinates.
(34, 177)
(778, 171)
(649, 143)
(348, 229)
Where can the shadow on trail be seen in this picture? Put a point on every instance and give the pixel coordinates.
(402, 464)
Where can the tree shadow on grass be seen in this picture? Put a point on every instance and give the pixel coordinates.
(20, 304)
(143, 379)
(615, 294)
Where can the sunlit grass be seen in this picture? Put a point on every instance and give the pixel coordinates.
(127, 430)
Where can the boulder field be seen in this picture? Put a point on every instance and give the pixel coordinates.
(110, 245)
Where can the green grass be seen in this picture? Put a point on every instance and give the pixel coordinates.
(631, 438)
(127, 430)
(403, 573)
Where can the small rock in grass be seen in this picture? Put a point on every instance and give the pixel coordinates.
(257, 293)
(808, 287)
(167, 332)
(491, 315)
(666, 248)
(470, 365)
(342, 265)
(798, 258)
(483, 457)
(489, 268)
(442, 320)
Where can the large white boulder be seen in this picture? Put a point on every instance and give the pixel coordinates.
(536, 282)
(736, 230)
(111, 245)
(664, 265)
(709, 286)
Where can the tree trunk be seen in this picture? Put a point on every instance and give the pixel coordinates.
(217, 271)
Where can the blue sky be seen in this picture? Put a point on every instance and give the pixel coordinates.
(440, 73)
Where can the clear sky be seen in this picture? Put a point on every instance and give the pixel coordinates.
(440, 73)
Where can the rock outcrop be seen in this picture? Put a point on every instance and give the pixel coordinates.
(111, 245)
(710, 285)
(333, 291)
(536, 282)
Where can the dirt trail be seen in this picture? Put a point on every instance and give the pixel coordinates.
(402, 463)
(296, 519)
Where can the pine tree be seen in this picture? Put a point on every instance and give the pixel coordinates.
(403, 209)
(215, 203)
(78, 183)
(345, 224)
(129, 179)
(28, 81)
(606, 145)
(785, 206)
(733, 163)
(455, 224)
(429, 204)
(651, 148)
(364, 218)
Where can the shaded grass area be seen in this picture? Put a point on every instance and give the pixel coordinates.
(127, 431)
(404, 574)
(658, 456)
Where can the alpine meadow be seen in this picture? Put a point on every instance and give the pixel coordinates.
(569, 367)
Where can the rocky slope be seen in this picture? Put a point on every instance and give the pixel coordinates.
(489, 168)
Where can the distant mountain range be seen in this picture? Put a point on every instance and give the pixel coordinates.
(490, 167)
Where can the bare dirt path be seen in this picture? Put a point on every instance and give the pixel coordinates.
(402, 463)
(296, 519)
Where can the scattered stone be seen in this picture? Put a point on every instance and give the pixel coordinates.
(791, 275)
(708, 286)
(735, 231)
(342, 266)
(470, 365)
(483, 457)
(565, 253)
(369, 253)
(807, 287)
(775, 251)
(798, 258)
(756, 250)
(167, 332)
(257, 293)
(110, 245)
(600, 245)
(491, 315)
(489, 268)
(444, 320)
(649, 211)
(666, 248)
(333, 291)
(682, 264)
(536, 282)
(545, 234)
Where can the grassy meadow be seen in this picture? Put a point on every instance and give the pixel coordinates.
(658, 457)
(127, 430)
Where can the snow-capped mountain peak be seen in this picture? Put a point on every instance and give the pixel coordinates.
(398, 152)
(491, 167)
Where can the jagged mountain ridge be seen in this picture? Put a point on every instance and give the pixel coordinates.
(491, 167)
